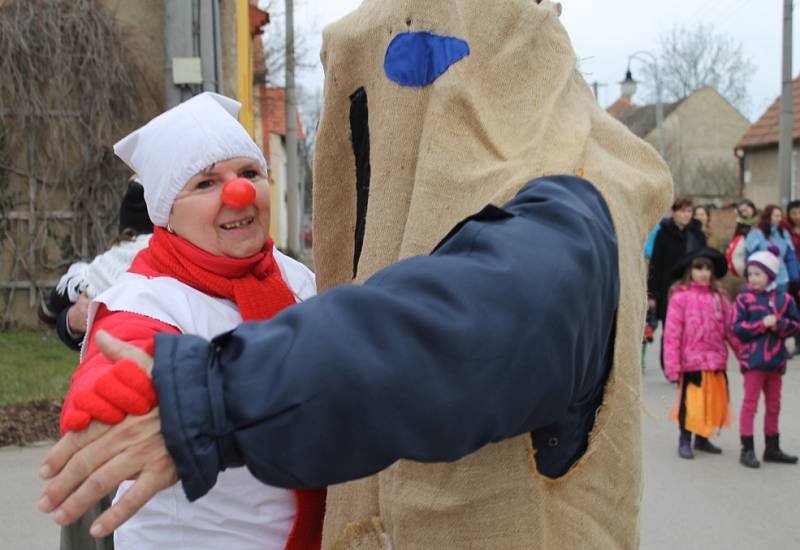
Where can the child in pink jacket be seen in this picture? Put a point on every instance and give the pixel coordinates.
(697, 327)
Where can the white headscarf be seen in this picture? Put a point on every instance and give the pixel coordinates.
(179, 143)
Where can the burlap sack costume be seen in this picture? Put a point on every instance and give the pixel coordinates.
(516, 108)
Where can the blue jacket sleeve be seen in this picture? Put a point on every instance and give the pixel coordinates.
(498, 332)
(651, 240)
(755, 241)
(791, 259)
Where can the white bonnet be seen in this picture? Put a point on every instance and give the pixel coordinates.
(177, 144)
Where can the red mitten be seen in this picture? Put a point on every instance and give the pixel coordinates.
(127, 387)
(74, 420)
(97, 408)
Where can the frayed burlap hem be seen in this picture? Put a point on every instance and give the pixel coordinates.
(366, 534)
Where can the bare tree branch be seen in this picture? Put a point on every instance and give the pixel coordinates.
(71, 87)
(275, 43)
(691, 58)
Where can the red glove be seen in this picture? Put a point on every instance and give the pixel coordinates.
(123, 390)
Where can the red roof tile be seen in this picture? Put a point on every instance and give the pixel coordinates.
(621, 108)
(273, 114)
(766, 130)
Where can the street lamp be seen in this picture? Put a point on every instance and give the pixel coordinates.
(629, 85)
(629, 81)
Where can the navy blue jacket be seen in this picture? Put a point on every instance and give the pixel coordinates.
(762, 348)
(506, 328)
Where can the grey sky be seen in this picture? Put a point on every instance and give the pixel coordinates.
(605, 33)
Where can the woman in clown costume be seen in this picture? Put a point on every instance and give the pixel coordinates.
(209, 265)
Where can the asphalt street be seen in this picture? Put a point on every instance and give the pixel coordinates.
(712, 502)
(707, 503)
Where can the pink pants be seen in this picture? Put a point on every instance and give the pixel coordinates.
(756, 381)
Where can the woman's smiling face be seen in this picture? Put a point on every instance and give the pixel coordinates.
(199, 215)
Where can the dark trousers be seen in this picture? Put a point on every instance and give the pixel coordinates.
(76, 535)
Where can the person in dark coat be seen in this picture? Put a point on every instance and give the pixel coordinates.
(65, 306)
(791, 223)
(679, 235)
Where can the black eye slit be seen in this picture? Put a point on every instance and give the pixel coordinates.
(359, 131)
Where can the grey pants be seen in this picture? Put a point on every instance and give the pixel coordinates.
(76, 536)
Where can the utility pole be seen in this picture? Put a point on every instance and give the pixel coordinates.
(292, 171)
(596, 88)
(786, 145)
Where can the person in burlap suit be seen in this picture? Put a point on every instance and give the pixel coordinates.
(479, 384)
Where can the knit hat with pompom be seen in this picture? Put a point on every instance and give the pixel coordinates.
(767, 261)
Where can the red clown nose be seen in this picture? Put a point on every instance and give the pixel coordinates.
(238, 193)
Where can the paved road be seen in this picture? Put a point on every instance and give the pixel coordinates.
(22, 527)
(712, 502)
(709, 503)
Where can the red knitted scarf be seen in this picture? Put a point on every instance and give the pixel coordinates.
(253, 283)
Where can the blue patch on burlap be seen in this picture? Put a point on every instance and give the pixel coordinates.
(419, 58)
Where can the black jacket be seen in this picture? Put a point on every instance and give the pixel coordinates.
(494, 334)
(671, 245)
(53, 310)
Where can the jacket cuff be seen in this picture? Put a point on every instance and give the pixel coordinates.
(64, 334)
(185, 410)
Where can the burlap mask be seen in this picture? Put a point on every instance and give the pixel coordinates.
(513, 109)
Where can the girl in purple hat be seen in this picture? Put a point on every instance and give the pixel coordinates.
(764, 317)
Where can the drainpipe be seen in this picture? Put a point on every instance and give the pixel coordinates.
(218, 76)
(208, 45)
(178, 42)
(244, 66)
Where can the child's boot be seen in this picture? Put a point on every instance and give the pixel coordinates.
(685, 445)
(773, 452)
(748, 456)
(703, 444)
